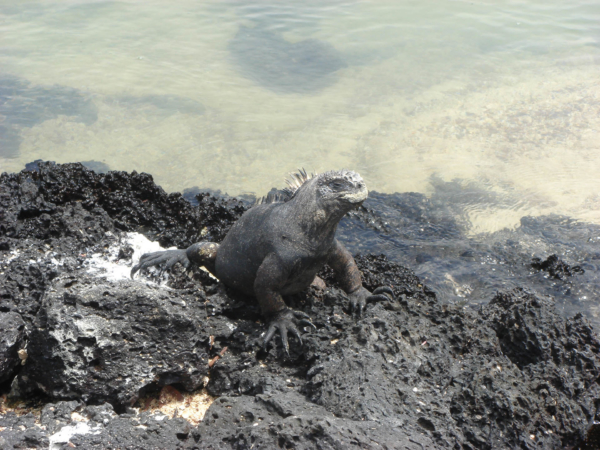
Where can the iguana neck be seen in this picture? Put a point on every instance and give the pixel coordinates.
(317, 221)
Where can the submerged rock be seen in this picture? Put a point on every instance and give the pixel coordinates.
(23, 106)
(166, 105)
(410, 373)
(269, 60)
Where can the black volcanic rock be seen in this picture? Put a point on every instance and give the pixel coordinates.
(410, 373)
(30, 202)
(12, 339)
(21, 432)
(95, 427)
(287, 420)
(99, 341)
(556, 267)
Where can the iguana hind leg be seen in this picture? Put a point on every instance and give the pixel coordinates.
(204, 254)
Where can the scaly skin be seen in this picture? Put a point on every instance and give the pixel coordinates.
(276, 248)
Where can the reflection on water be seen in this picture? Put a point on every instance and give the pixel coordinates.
(491, 107)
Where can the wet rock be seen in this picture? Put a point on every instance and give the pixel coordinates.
(431, 235)
(12, 340)
(269, 60)
(556, 268)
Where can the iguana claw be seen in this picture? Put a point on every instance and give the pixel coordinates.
(284, 320)
(360, 298)
(379, 294)
(167, 257)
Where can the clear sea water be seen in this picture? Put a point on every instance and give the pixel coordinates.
(234, 95)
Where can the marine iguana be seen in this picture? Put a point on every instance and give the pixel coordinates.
(277, 247)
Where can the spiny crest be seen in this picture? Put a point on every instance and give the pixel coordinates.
(274, 196)
(294, 182)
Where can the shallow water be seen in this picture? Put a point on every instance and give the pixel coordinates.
(505, 95)
(500, 98)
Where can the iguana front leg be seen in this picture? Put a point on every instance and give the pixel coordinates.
(201, 254)
(350, 280)
(270, 279)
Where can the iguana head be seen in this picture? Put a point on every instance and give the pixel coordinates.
(340, 190)
(336, 191)
(341, 186)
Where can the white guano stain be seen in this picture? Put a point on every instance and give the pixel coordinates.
(63, 435)
(107, 265)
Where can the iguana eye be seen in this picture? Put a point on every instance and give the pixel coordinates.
(338, 185)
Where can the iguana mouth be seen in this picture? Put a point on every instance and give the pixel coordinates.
(356, 197)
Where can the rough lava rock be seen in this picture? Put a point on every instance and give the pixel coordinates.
(411, 373)
(100, 341)
(556, 268)
(12, 339)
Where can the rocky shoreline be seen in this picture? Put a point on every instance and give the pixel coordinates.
(91, 346)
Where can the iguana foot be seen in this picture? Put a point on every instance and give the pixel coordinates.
(360, 298)
(167, 257)
(284, 320)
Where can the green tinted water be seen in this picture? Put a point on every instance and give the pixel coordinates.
(234, 95)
